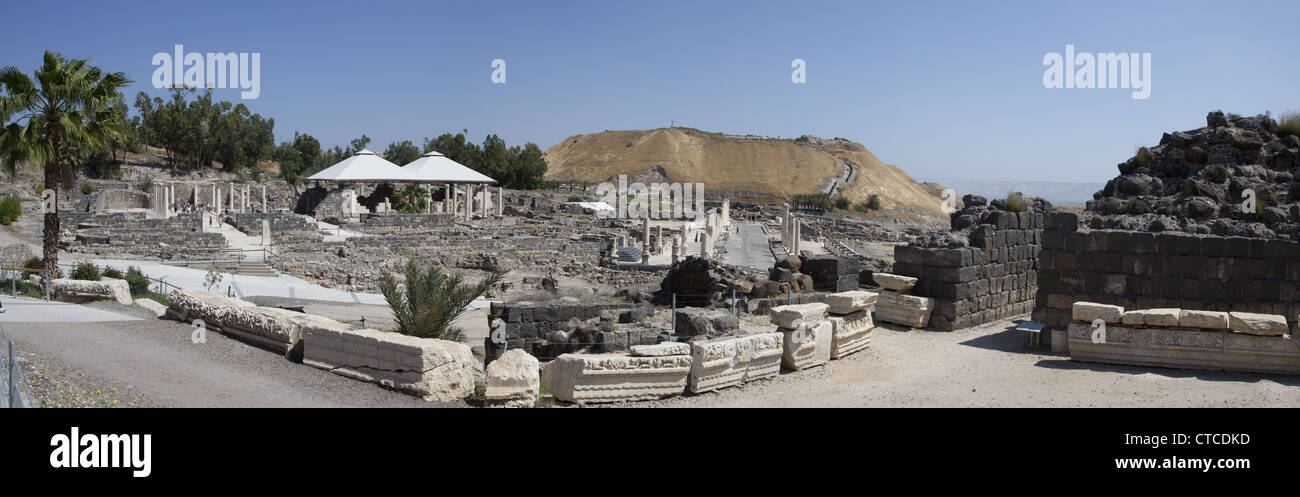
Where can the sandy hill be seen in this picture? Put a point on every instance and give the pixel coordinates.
(740, 167)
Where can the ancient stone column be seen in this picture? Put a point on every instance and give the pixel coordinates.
(726, 212)
(265, 207)
(645, 239)
(677, 248)
(501, 201)
(469, 201)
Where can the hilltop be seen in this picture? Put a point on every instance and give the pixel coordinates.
(744, 167)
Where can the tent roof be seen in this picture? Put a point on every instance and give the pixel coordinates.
(364, 166)
(434, 167)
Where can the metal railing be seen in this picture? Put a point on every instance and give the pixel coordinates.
(16, 391)
(13, 272)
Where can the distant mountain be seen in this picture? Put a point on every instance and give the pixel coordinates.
(1056, 192)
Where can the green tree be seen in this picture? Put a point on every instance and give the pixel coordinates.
(401, 153)
(358, 144)
(68, 105)
(429, 300)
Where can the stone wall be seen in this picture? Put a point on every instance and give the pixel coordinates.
(134, 233)
(549, 329)
(994, 278)
(1164, 270)
(1160, 270)
(388, 223)
(285, 227)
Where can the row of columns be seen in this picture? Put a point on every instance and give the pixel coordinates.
(484, 203)
(165, 199)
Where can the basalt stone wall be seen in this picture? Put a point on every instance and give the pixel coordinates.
(286, 228)
(993, 278)
(548, 329)
(132, 233)
(1144, 270)
(393, 223)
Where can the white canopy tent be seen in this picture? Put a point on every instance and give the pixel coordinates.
(364, 167)
(434, 167)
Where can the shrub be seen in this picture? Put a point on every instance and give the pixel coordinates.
(1016, 202)
(1288, 123)
(429, 300)
(85, 271)
(10, 209)
(873, 202)
(137, 280)
(87, 189)
(1142, 158)
(112, 272)
(146, 184)
(40, 188)
(863, 208)
(39, 263)
(841, 203)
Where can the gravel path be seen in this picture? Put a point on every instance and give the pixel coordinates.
(152, 362)
(991, 366)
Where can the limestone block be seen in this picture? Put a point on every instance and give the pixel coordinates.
(806, 346)
(513, 380)
(1165, 318)
(1087, 312)
(1213, 350)
(584, 378)
(850, 332)
(907, 310)
(1207, 320)
(697, 321)
(850, 302)
(1162, 347)
(797, 315)
(895, 282)
(727, 362)
(1133, 318)
(661, 349)
(1060, 341)
(151, 306)
(110, 288)
(430, 368)
(1258, 324)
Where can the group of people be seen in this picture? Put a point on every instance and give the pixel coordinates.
(186, 207)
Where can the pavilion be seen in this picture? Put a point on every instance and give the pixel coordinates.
(431, 168)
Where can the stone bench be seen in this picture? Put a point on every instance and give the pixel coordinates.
(586, 378)
(434, 370)
(1179, 338)
(107, 288)
(717, 364)
(276, 329)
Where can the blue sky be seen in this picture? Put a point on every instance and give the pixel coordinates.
(942, 89)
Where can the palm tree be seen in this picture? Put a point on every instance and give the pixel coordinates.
(68, 107)
(429, 300)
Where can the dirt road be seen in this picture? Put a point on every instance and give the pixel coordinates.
(991, 366)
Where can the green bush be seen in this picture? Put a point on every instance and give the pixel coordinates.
(112, 272)
(39, 263)
(841, 203)
(1288, 123)
(873, 202)
(863, 208)
(429, 300)
(137, 280)
(146, 184)
(10, 209)
(40, 188)
(85, 271)
(87, 189)
(1016, 202)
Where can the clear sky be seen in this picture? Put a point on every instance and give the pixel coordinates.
(942, 89)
